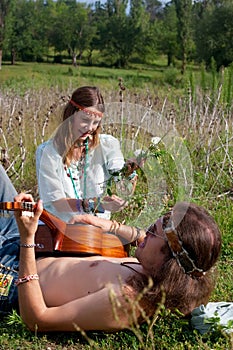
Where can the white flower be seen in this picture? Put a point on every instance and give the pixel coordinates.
(139, 152)
(155, 140)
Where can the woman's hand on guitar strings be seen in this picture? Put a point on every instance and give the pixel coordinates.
(104, 224)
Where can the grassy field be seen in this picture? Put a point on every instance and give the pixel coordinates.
(197, 108)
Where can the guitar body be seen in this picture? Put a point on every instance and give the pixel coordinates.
(79, 240)
(57, 238)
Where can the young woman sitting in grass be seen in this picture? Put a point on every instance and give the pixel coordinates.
(73, 167)
(173, 265)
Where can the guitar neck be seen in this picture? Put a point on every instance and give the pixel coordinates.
(12, 206)
(49, 219)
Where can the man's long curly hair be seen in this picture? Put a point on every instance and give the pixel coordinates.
(201, 238)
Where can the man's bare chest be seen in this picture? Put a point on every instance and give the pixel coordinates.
(63, 280)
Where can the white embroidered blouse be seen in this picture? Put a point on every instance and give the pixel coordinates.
(54, 180)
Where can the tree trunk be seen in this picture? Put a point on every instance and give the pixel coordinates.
(74, 60)
(0, 59)
(13, 56)
(169, 59)
(184, 62)
(89, 58)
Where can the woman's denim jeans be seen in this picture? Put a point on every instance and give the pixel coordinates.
(9, 248)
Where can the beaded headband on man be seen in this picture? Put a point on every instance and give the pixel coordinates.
(86, 110)
(180, 254)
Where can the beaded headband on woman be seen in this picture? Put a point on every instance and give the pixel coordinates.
(180, 254)
(86, 110)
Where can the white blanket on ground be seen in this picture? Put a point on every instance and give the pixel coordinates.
(204, 318)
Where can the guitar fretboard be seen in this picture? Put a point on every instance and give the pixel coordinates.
(11, 206)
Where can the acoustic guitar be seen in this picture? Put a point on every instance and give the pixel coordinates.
(57, 238)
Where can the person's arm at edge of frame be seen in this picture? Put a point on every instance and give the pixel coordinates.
(33, 309)
(30, 294)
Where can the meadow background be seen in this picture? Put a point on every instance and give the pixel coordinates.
(198, 104)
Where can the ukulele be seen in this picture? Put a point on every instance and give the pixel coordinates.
(57, 238)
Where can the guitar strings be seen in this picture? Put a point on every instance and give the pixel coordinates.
(26, 207)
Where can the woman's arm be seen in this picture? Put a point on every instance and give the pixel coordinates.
(129, 233)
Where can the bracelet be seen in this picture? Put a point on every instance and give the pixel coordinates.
(27, 278)
(114, 227)
(118, 228)
(37, 245)
(138, 233)
(132, 233)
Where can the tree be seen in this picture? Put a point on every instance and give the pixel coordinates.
(97, 21)
(114, 36)
(154, 8)
(124, 31)
(183, 12)
(167, 33)
(71, 30)
(142, 40)
(214, 32)
(4, 8)
(26, 30)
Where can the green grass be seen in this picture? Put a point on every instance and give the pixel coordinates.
(39, 75)
(169, 332)
(24, 76)
(205, 125)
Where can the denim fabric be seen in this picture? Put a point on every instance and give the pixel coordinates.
(9, 248)
(8, 225)
(9, 258)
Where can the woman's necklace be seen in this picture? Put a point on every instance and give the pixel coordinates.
(81, 167)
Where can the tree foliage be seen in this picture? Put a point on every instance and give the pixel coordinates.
(214, 32)
(72, 30)
(168, 43)
(4, 8)
(118, 31)
(26, 31)
(183, 12)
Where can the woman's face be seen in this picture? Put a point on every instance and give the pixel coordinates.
(85, 123)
